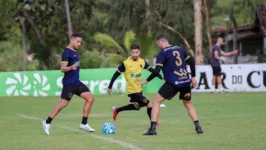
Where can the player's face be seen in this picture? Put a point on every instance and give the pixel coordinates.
(76, 42)
(221, 42)
(135, 54)
(159, 43)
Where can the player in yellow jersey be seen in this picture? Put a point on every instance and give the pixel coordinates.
(132, 69)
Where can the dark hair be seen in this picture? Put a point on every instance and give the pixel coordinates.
(162, 37)
(134, 46)
(75, 35)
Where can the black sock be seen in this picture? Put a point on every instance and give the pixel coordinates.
(84, 120)
(153, 125)
(127, 107)
(149, 112)
(196, 123)
(49, 120)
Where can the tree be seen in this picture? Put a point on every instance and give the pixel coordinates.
(68, 16)
(118, 52)
(148, 16)
(207, 23)
(198, 31)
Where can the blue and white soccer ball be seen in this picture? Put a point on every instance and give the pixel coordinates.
(108, 128)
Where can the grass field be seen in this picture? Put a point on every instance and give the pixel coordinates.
(230, 121)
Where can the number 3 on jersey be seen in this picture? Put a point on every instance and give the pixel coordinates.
(178, 63)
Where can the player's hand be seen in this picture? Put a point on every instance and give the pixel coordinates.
(194, 83)
(74, 67)
(235, 51)
(143, 82)
(163, 80)
(109, 91)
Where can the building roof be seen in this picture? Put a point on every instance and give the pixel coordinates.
(256, 29)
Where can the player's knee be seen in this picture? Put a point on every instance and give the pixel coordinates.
(145, 102)
(137, 106)
(149, 105)
(187, 104)
(64, 103)
(90, 99)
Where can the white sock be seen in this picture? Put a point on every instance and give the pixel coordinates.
(220, 87)
(213, 87)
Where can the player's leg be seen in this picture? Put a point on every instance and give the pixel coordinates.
(65, 99)
(133, 106)
(219, 79)
(165, 92)
(185, 95)
(85, 93)
(214, 79)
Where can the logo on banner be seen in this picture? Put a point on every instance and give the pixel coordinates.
(19, 85)
(40, 85)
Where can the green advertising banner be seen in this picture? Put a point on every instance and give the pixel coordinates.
(49, 83)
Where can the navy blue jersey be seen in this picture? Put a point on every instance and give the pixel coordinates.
(214, 61)
(172, 59)
(71, 77)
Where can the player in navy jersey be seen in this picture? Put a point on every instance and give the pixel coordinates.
(216, 64)
(70, 66)
(172, 60)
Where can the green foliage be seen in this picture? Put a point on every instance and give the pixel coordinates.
(108, 27)
(262, 58)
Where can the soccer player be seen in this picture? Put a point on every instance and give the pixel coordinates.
(132, 69)
(216, 63)
(72, 85)
(173, 60)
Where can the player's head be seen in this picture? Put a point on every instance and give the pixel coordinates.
(135, 51)
(220, 41)
(162, 41)
(75, 41)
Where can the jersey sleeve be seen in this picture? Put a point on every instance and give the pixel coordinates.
(65, 57)
(147, 65)
(186, 56)
(160, 60)
(121, 68)
(216, 48)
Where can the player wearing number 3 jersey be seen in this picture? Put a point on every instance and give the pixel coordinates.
(173, 60)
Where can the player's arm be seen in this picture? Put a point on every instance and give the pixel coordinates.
(191, 62)
(159, 64)
(216, 55)
(64, 63)
(155, 73)
(229, 53)
(120, 69)
(148, 67)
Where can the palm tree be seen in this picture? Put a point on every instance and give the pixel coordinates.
(146, 42)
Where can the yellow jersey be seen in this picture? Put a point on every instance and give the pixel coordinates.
(132, 73)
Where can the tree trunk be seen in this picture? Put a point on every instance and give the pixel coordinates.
(35, 28)
(69, 23)
(232, 17)
(198, 31)
(208, 24)
(22, 22)
(148, 16)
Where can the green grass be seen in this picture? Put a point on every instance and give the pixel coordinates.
(230, 121)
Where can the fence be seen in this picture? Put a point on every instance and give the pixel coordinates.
(236, 78)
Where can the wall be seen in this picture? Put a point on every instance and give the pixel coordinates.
(236, 78)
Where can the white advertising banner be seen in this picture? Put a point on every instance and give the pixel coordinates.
(235, 78)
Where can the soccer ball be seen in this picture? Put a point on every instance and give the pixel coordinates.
(108, 128)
